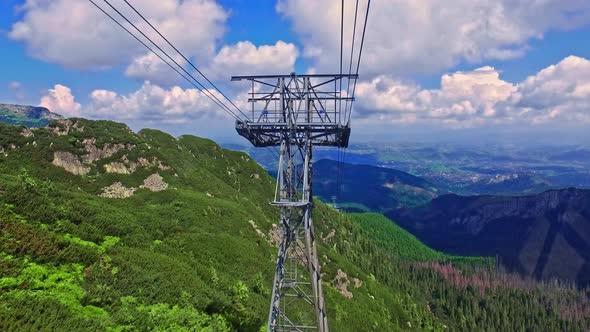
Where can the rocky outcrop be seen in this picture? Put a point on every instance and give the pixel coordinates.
(69, 162)
(145, 163)
(341, 283)
(93, 153)
(358, 283)
(329, 236)
(274, 235)
(116, 168)
(27, 133)
(63, 127)
(258, 231)
(117, 190)
(125, 166)
(154, 183)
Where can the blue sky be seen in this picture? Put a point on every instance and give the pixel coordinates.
(401, 85)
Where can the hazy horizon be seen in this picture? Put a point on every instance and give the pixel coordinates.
(499, 75)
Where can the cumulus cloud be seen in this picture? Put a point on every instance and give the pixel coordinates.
(557, 96)
(408, 36)
(152, 68)
(242, 58)
(473, 98)
(561, 90)
(76, 34)
(60, 100)
(245, 58)
(153, 104)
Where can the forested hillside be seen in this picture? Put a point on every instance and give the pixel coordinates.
(545, 236)
(104, 229)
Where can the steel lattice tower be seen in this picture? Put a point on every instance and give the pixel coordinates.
(296, 112)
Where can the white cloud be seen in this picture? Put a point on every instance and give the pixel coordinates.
(555, 97)
(559, 92)
(152, 68)
(75, 34)
(60, 100)
(411, 36)
(153, 104)
(245, 58)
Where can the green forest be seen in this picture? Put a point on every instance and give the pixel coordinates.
(89, 243)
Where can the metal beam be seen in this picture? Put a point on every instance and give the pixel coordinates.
(262, 77)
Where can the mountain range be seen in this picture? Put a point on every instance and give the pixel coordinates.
(28, 116)
(464, 169)
(532, 235)
(369, 188)
(546, 236)
(104, 229)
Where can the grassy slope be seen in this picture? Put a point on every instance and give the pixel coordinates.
(187, 253)
(187, 258)
(388, 235)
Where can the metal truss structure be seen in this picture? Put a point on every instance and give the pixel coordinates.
(296, 112)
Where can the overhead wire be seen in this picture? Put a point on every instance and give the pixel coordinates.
(339, 162)
(160, 57)
(347, 111)
(185, 58)
(358, 64)
(203, 89)
(351, 57)
(341, 55)
(343, 160)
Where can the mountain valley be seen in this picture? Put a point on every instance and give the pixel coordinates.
(105, 229)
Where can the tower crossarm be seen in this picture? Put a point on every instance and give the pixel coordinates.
(296, 104)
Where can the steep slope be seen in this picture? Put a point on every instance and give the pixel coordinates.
(107, 227)
(545, 235)
(370, 188)
(28, 116)
(390, 235)
(104, 229)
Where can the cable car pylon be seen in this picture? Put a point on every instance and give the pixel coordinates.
(295, 113)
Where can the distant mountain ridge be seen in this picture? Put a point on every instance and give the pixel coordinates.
(29, 116)
(370, 188)
(511, 184)
(545, 235)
